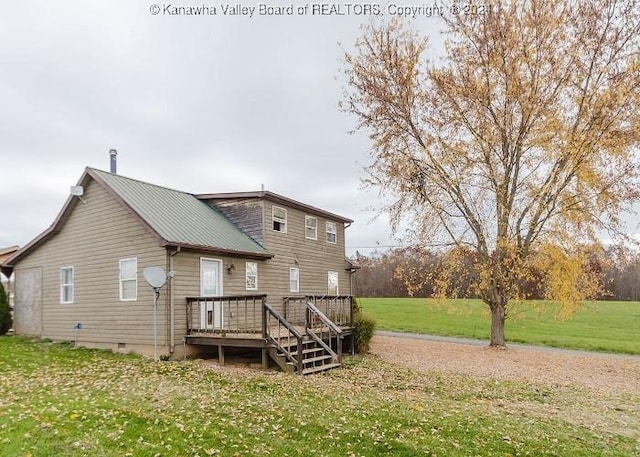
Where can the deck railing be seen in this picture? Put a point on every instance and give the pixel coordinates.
(226, 314)
(338, 308)
(244, 313)
(294, 308)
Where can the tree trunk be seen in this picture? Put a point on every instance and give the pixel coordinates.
(498, 311)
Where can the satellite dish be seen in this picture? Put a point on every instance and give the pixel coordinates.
(77, 191)
(155, 276)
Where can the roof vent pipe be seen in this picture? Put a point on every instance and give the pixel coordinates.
(113, 154)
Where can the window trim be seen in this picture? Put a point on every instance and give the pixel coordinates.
(121, 279)
(297, 279)
(334, 232)
(70, 285)
(307, 227)
(220, 280)
(337, 276)
(281, 221)
(247, 276)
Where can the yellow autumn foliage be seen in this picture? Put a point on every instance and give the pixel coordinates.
(569, 276)
(519, 146)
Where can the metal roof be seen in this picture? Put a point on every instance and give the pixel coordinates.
(179, 218)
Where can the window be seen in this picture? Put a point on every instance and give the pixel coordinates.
(294, 280)
(210, 278)
(333, 283)
(129, 279)
(66, 285)
(279, 219)
(310, 228)
(332, 233)
(252, 276)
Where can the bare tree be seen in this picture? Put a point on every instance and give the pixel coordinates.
(523, 137)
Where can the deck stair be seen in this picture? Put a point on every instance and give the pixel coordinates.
(315, 357)
(314, 348)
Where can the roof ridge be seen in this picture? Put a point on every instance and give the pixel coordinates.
(275, 197)
(143, 182)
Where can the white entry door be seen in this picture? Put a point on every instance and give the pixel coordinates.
(210, 315)
(211, 312)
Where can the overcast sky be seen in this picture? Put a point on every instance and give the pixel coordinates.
(203, 104)
(200, 104)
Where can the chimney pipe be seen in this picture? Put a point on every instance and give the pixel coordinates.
(113, 155)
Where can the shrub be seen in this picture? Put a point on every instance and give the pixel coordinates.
(364, 328)
(356, 306)
(6, 322)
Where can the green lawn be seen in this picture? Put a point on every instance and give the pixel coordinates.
(60, 401)
(599, 326)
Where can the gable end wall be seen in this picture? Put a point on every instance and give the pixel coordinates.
(314, 258)
(94, 238)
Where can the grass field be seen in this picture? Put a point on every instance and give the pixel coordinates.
(597, 326)
(60, 401)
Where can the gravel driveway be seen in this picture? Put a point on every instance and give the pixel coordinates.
(597, 371)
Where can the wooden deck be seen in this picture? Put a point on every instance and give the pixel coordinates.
(249, 340)
(297, 334)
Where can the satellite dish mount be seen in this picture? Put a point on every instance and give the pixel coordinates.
(77, 191)
(156, 277)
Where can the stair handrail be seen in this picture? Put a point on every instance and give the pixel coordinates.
(325, 320)
(314, 336)
(282, 321)
(311, 308)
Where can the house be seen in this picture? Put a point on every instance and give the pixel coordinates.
(5, 253)
(252, 270)
(7, 281)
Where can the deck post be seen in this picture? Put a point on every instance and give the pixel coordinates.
(188, 316)
(307, 317)
(265, 354)
(299, 356)
(264, 318)
(221, 355)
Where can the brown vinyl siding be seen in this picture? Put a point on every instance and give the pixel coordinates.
(315, 258)
(186, 266)
(94, 238)
(186, 282)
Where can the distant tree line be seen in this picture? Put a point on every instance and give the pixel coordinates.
(412, 272)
